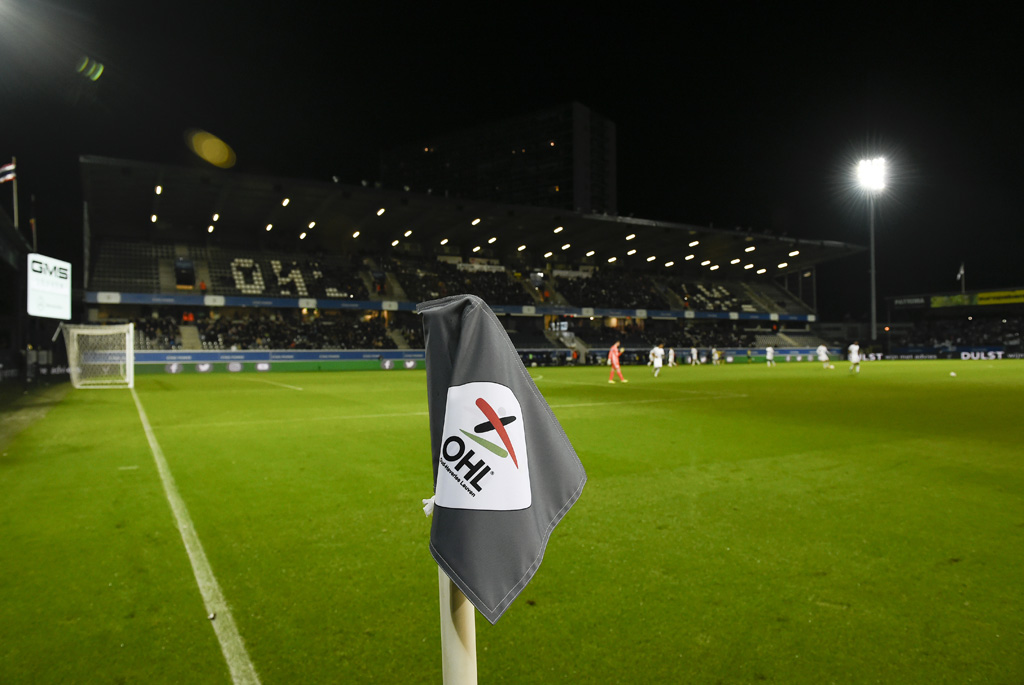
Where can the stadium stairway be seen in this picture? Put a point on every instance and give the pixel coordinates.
(399, 339)
(190, 338)
(758, 299)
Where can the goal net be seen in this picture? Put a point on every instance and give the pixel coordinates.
(101, 356)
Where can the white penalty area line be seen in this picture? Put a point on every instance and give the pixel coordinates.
(231, 644)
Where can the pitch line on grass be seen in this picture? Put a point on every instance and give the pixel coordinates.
(694, 395)
(231, 644)
(281, 385)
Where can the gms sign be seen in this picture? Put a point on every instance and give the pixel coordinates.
(49, 287)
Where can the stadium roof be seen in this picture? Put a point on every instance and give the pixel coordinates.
(122, 201)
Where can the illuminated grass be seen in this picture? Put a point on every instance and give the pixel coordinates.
(740, 524)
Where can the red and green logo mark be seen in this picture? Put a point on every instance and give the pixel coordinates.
(493, 423)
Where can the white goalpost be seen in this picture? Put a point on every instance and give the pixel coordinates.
(101, 356)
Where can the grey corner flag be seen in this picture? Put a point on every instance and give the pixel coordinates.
(504, 471)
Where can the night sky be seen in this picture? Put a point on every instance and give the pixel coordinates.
(746, 115)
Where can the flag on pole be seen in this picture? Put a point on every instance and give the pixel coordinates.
(960, 273)
(504, 471)
(7, 173)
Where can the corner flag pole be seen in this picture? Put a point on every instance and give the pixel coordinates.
(458, 633)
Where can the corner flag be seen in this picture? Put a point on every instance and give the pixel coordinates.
(504, 471)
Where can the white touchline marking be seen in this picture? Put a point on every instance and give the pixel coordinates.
(283, 385)
(127, 468)
(231, 644)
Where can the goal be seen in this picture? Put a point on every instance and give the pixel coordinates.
(101, 356)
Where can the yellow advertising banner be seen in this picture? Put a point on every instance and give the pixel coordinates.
(1002, 297)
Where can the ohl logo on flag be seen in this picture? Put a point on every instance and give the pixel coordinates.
(483, 463)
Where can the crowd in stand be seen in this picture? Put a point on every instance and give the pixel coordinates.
(963, 331)
(613, 289)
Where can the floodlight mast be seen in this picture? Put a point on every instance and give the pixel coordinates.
(871, 177)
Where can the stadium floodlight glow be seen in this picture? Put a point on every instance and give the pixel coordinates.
(521, 248)
(871, 174)
(694, 243)
(783, 265)
(559, 229)
(380, 211)
(312, 224)
(284, 202)
(302, 236)
(689, 257)
(356, 234)
(566, 246)
(630, 236)
(631, 252)
(668, 264)
(611, 260)
(474, 222)
(408, 233)
(270, 227)
(651, 258)
(153, 218)
(209, 229)
(871, 178)
(794, 253)
(394, 243)
(216, 216)
(748, 266)
(548, 254)
(749, 249)
(444, 241)
(492, 240)
(714, 268)
(476, 249)
(761, 271)
(705, 262)
(735, 261)
(159, 189)
(591, 253)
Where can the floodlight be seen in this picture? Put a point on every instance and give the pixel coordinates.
(871, 173)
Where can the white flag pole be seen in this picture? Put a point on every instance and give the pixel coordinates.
(14, 189)
(458, 633)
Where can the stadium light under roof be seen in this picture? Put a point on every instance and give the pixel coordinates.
(380, 211)
(749, 249)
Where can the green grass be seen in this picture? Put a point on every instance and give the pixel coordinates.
(740, 524)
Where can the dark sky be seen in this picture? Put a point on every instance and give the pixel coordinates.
(749, 115)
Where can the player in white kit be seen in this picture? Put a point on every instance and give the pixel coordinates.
(823, 356)
(657, 357)
(854, 351)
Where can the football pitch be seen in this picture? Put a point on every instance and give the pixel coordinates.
(740, 524)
